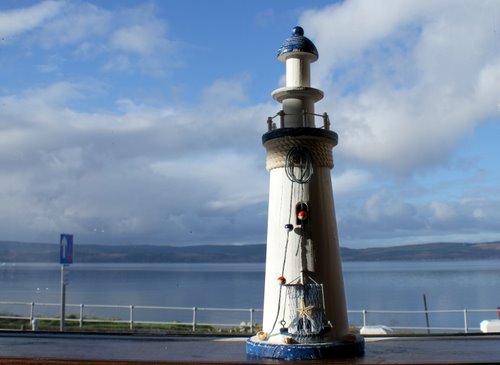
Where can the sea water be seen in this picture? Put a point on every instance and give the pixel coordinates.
(371, 286)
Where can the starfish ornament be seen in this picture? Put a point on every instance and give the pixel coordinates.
(305, 311)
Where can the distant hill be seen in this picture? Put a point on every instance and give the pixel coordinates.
(428, 251)
(44, 252)
(49, 252)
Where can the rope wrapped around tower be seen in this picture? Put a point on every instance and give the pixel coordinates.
(319, 149)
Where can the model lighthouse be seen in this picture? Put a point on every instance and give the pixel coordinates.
(305, 313)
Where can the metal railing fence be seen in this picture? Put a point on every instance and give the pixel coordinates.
(247, 318)
(441, 317)
(79, 313)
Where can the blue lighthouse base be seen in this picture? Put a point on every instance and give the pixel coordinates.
(327, 350)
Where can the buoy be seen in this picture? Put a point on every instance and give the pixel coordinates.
(282, 280)
(302, 215)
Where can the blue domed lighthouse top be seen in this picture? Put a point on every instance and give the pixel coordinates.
(297, 43)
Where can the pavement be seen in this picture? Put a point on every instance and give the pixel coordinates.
(71, 348)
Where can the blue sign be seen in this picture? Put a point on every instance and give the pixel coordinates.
(66, 245)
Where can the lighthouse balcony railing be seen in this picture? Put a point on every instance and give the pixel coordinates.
(271, 124)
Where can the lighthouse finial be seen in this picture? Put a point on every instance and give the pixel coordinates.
(298, 30)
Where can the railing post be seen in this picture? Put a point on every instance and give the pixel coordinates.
(269, 124)
(194, 318)
(304, 118)
(364, 317)
(251, 320)
(81, 315)
(466, 325)
(32, 311)
(326, 121)
(281, 113)
(131, 317)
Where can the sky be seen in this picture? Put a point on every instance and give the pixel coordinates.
(140, 122)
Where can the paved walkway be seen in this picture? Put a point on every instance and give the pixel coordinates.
(20, 348)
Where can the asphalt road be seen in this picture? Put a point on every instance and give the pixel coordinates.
(47, 348)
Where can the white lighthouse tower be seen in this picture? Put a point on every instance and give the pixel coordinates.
(305, 314)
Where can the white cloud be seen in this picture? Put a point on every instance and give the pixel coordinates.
(391, 216)
(409, 79)
(231, 178)
(226, 91)
(118, 63)
(55, 94)
(121, 40)
(344, 31)
(77, 23)
(14, 22)
(442, 211)
(142, 39)
(350, 181)
(114, 177)
(401, 85)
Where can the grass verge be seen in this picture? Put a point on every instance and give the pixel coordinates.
(110, 326)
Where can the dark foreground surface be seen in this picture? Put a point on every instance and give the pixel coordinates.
(48, 348)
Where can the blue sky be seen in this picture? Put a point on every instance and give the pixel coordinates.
(140, 121)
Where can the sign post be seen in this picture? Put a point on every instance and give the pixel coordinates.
(65, 258)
